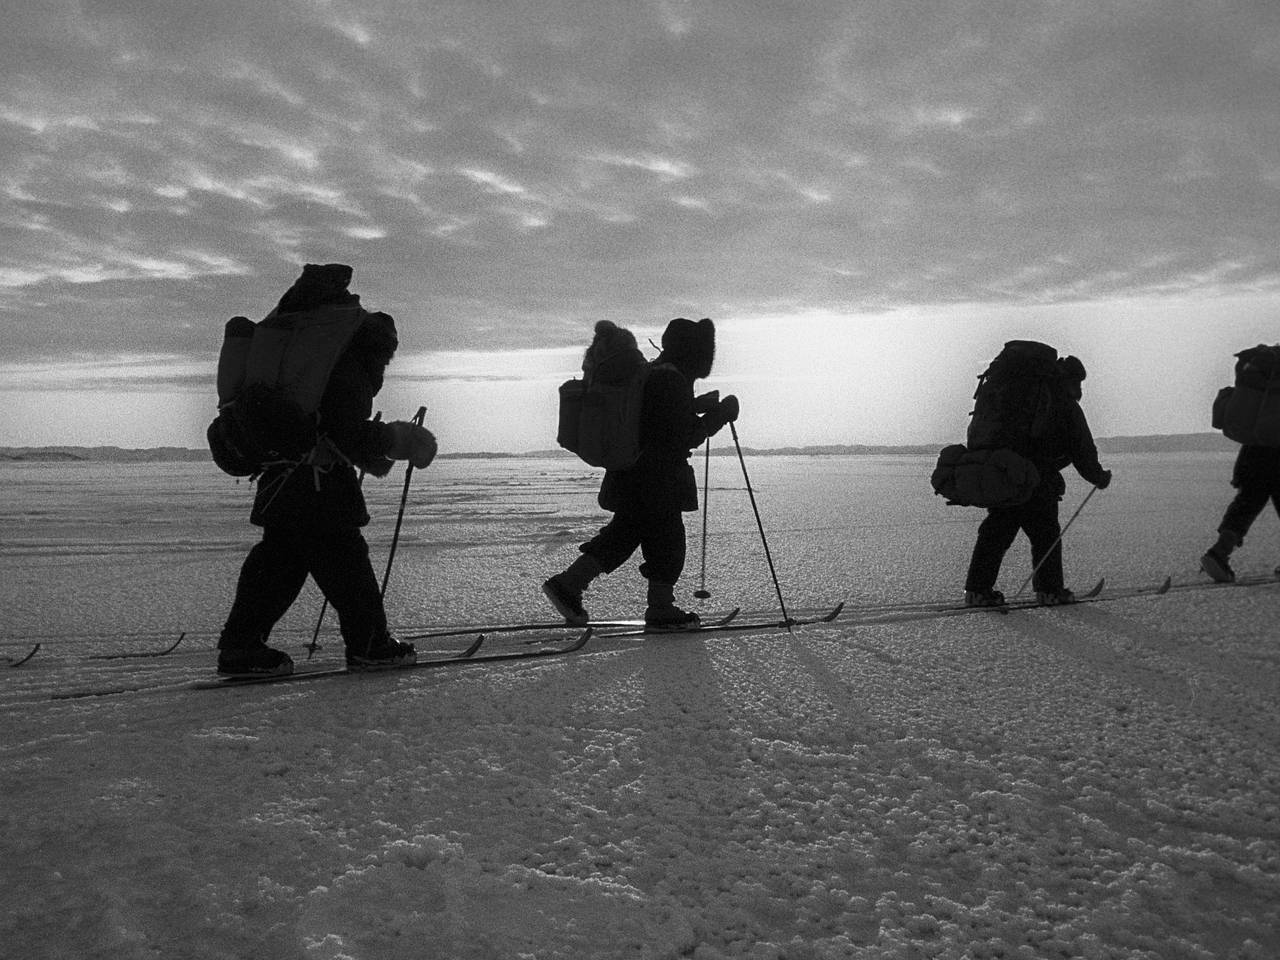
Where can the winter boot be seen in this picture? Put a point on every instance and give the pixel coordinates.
(253, 660)
(983, 598)
(565, 589)
(1055, 598)
(384, 652)
(1214, 562)
(662, 612)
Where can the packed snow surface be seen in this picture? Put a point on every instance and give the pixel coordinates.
(1099, 781)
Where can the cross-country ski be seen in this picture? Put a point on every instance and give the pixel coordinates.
(466, 657)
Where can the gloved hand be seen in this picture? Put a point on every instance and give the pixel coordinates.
(724, 412)
(707, 402)
(410, 442)
(1105, 482)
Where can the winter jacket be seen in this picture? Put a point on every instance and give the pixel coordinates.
(331, 496)
(1069, 443)
(662, 478)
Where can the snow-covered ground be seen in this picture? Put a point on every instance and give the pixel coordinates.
(1100, 781)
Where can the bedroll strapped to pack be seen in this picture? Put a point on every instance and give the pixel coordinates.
(1016, 399)
(983, 478)
(600, 413)
(271, 378)
(1249, 411)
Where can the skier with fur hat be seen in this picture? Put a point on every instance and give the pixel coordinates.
(648, 499)
(311, 511)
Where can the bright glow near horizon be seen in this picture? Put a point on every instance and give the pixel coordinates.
(901, 377)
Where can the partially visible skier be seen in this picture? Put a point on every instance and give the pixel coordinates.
(1066, 441)
(311, 509)
(647, 500)
(1256, 477)
(1249, 413)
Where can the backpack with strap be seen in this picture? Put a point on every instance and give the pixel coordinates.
(271, 378)
(1017, 398)
(600, 413)
(1249, 412)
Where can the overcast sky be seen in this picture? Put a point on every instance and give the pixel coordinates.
(867, 197)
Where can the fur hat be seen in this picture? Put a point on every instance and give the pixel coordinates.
(1071, 368)
(319, 284)
(685, 341)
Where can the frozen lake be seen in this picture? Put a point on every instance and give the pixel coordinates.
(106, 549)
(1099, 781)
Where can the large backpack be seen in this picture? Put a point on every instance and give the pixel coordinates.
(271, 378)
(1017, 400)
(1249, 412)
(600, 413)
(983, 478)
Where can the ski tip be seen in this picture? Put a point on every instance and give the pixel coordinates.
(727, 618)
(835, 612)
(1097, 588)
(1166, 586)
(581, 642)
(20, 661)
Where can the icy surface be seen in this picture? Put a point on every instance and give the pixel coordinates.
(1095, 782)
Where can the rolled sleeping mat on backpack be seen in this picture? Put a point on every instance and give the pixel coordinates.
(984, 478)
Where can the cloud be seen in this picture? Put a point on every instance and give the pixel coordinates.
(142, 373)
(499, 180)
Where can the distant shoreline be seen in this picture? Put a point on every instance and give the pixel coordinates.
(1157, 443)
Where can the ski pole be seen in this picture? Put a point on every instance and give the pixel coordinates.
(1054, 546)
(314, 645)
(404, 499)
(702, 593)
(754, 509)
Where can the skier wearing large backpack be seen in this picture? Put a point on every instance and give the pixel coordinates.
(1053, 434)
(310, 506)
(648, 498)
(1248, 412)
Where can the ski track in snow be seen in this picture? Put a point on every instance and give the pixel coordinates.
(1100, 781)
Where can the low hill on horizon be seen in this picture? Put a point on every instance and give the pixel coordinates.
(1154, 443)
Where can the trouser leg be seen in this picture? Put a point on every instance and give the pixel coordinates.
(1045, 533)
(617, 540)
(270, 579)
(996, 534)
(662, 544)
(1249, 501)
(578, 575)
(339, 562)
